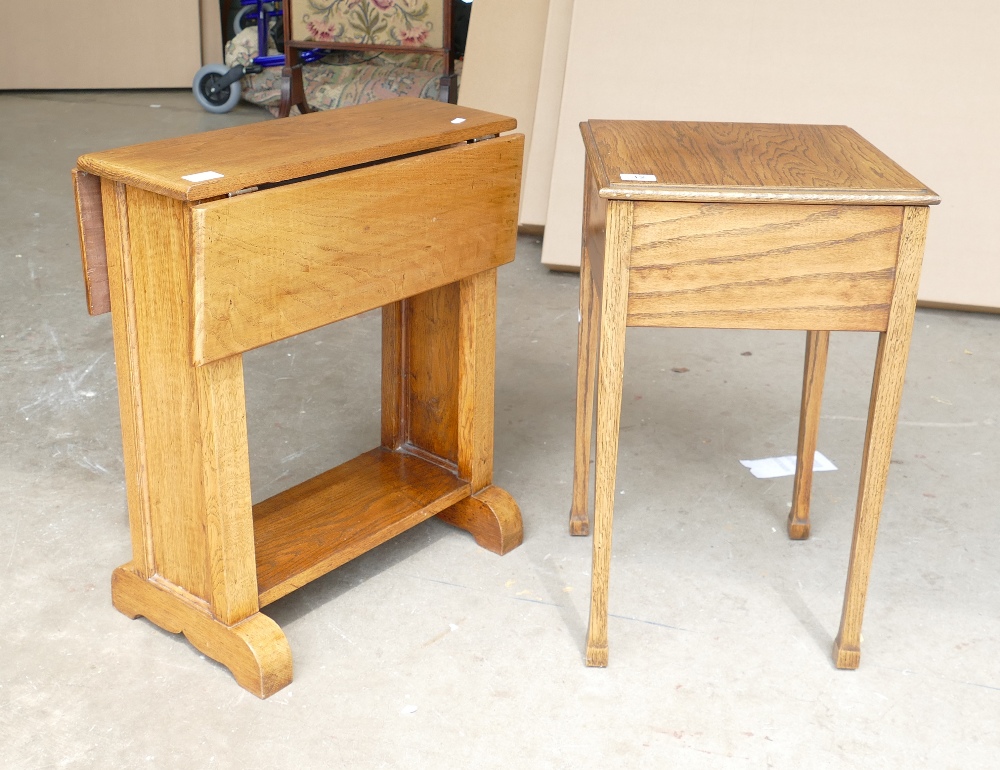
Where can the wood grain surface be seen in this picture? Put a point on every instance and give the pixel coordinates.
(431, 374)
(476, 372)
(760, 266)
(280, 150)
(170, 453)
(310, 529)
(746, 162)
(394, 419)
(90, 224)
(282, 261)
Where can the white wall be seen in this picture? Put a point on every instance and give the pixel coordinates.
(503, 60)
(918, 79)
(107, 43)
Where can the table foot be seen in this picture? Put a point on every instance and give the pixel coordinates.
(597, 656)
(798, 529)
(255, 650)
(492, 516)
(579, 523)
(845, 656)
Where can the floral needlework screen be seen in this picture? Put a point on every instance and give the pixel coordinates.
(378, 22)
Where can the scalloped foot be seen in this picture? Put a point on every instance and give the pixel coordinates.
(492, 516)
(255, 650)
(845, 656)
(579, 524)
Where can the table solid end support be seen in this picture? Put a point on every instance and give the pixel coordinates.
(491, 516)
(845, 656)
(255, 650)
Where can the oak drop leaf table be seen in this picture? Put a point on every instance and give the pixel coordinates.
(744, 226)
(206, 246)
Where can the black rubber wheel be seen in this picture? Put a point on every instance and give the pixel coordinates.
(209, 95)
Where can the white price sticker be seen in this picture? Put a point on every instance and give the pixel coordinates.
(203, 176)
(638, 177)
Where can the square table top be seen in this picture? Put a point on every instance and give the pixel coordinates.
(214, 163)
(745, 163)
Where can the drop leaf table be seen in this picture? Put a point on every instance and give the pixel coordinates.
(206, 246)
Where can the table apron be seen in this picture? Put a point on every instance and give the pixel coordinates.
(763, 266)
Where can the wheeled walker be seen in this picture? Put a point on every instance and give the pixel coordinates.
(216, 86)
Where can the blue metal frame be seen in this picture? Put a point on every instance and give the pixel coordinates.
(278, 60)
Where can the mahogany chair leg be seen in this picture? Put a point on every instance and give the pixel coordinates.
(293, 92)
(817, 344)
(449, 88)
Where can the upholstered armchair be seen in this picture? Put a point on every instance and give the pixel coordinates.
(392, 26)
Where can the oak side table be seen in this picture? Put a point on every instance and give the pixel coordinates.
(744, 226)
(209, 245)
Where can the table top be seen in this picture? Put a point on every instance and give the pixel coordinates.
(744, 163)
(214, 163)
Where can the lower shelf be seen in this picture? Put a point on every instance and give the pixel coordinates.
(316, 526)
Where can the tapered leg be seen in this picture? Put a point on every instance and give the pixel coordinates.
(586, 359)
(610, 367)
(887, 389)
(817, 344)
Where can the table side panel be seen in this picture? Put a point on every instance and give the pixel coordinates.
(170, 390)
(763, 266)
(282, 261)
(431, 371)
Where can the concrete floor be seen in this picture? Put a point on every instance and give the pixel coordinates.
(430, 652)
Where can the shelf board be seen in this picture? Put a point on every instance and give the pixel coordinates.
(316, 526)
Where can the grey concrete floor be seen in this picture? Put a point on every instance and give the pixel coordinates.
(430, 652)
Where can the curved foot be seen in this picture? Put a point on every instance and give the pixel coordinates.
(798, 529)
(293, 92)
(845, 656)
(492, 516)
(255, 650)
(579, 524)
